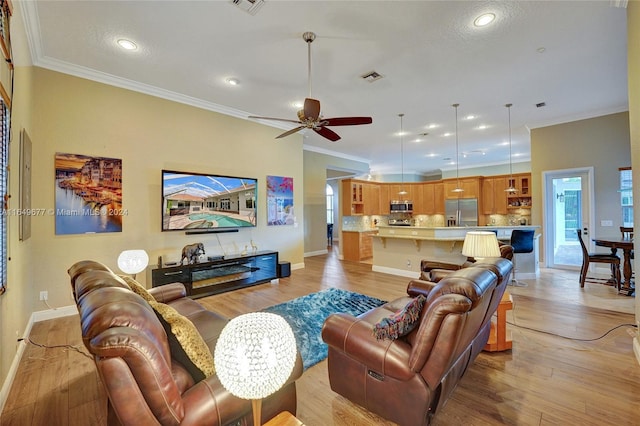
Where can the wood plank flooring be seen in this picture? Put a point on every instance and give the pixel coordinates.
(543, 380)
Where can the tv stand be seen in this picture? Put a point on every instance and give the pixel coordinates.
(220, 275)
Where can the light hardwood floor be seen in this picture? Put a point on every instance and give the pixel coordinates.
(543, 380)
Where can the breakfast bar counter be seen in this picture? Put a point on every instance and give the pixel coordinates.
(398, 250)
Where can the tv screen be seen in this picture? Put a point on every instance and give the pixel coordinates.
(196, 201)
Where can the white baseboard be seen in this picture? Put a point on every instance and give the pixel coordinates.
(316, 253)
(394, 271)
(35, 317)
(297, 266)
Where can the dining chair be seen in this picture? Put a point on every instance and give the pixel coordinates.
(587, 258)
(627, 233)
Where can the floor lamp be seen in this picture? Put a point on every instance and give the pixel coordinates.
(254, 356)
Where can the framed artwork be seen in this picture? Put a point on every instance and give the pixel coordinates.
(280, 201)
(25, 186)
(88, 194)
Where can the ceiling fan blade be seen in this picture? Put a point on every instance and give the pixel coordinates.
(346, 121)
(311, 108)
(327, 133)
(277, 119)
(290, 132)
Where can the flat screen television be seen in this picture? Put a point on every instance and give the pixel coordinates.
(207, 202)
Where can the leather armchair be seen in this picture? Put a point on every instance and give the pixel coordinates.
(406, 380)
(144, 383)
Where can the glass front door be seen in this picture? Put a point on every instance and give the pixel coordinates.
(568, 206)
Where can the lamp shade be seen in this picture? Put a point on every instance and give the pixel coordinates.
(480, 244)
(255, 354)
(133, 261)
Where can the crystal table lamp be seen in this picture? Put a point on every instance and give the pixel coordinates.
(480, 244)
(133, 261)
(254, 356)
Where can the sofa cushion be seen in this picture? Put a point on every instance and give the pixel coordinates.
(401, 322)
(187, 345)
(138, 288)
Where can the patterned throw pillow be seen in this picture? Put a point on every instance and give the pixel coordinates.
(400, 323)
(138, 288)
(187, 345)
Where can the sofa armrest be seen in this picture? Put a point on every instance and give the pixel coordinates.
(420, 287)
(168, 292)
(354, 337)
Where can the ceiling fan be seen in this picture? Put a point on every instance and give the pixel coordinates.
(309, 116)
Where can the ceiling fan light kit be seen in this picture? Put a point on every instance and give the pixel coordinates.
(309, 116)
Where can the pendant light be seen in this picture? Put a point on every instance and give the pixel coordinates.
(402, 191)
(457, 188)
(511, 189)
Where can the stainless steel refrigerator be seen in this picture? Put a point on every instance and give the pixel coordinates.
(461, 212)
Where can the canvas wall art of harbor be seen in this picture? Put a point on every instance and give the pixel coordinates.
(88, 194)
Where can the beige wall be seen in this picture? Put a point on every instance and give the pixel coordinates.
(315, 201)
(72, 115)
(601, 143)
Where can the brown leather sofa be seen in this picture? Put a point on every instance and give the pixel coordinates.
(426, 265)
(144, 382)
(408, 379)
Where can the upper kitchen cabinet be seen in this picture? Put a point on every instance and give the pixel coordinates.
(371, 200)
(494, 197)
(522, 197)
(469, 185)
(360, 198)
(432, 200)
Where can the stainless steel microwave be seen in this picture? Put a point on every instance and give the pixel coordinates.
(404, 206)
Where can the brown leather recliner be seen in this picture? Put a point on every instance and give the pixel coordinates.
(145, 384)
(427, 265)
(406, 380)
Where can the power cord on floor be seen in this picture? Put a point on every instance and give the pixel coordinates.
(75, 348)
(567, 337)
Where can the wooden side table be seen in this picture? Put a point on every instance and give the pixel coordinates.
(284, 419)
(498, 337)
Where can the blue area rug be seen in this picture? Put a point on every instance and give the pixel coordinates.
(306, 315)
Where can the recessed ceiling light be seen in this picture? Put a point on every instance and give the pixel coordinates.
(127, 44)
(447, 134)
(432, 126)
(484, 19)
(540, 49)
(470, 117)
(233, 81)
(297, 104)
(482, 126)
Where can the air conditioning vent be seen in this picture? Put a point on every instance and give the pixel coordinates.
(371, 76)
(250, 6)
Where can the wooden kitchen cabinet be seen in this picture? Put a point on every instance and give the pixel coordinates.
(384, 200)
(470, 186)
(371, 199)
(494, 197)
(432, 198)
(357, 246)
(522, 197)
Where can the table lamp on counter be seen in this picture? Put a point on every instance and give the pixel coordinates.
(133, 261)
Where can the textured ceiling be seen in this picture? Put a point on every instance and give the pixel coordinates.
(569, 54)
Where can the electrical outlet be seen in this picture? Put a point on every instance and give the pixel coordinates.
(44, 295)
(408, 263)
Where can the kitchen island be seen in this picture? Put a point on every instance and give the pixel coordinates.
(398, 250)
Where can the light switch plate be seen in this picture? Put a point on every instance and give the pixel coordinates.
(606, 223)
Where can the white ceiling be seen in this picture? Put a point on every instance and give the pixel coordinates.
(429, 53)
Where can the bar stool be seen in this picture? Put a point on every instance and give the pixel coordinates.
(522, 242)
(329, 234)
